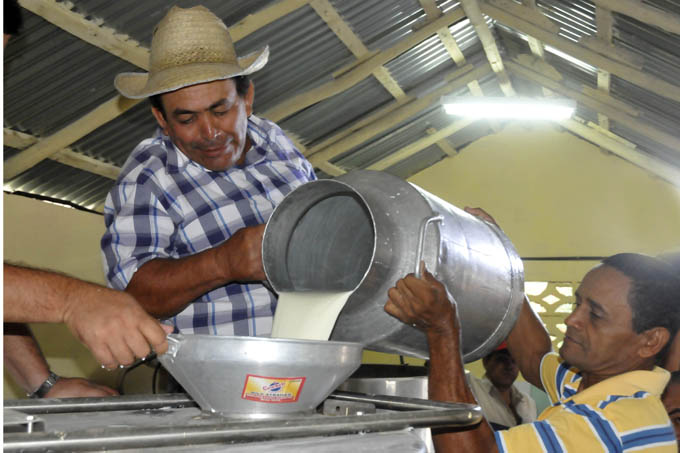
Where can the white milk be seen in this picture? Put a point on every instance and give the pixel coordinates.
(308, 315)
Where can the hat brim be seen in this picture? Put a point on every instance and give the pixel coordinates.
(135, 85)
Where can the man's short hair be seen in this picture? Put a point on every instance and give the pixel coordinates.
(242, 85)
(654, 291)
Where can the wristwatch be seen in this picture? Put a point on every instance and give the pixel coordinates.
(45, 387)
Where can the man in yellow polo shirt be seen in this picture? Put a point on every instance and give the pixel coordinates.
(604, 385)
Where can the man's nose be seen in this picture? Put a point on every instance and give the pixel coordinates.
(575, 318)
(208, 129)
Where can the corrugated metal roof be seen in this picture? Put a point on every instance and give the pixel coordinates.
(52, 78)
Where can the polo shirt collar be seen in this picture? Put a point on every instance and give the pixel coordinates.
(650, 381)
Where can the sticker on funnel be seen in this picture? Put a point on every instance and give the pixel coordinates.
(272, 389)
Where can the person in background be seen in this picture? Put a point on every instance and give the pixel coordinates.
(110, 323)
(671, 401)
(604, 385)
(502, 403)
(185, 219)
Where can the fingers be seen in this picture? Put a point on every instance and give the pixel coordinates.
(482, 214)
(155, 335)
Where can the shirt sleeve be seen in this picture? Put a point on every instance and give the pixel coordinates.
(564, 432)
(138, 229)
(550, 364)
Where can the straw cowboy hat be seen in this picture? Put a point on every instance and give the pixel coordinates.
(189, 46)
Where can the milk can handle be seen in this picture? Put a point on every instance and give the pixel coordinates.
(436, 217)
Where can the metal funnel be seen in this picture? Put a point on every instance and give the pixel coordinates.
(256, 377)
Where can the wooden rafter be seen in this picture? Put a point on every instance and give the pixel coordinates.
(604, 21)
(472, 11)
(629, 153)
(648, 14)
(419, 145)
(66, 156)
(361, 71)
(343, 31)
(514, 16)
(120, 45)
(460, 78)
(61, 139)
(612, 108)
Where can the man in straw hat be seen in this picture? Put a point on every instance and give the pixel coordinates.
(186, 216)
(604, 385)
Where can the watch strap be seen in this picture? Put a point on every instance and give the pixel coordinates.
(45, 387)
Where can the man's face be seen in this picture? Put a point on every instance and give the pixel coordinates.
(600, 339)
(671, 401)
(208, 122)
(501, 369)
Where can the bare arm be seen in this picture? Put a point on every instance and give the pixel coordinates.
(110, 323)
(528, 341)
(425, 303)
(164, 287)
(25, 362)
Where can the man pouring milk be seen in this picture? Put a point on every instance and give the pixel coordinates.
(185, 219)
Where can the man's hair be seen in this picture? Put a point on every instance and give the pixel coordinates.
(674, 380)
(654, 293)
(242, 85)
(12, 20)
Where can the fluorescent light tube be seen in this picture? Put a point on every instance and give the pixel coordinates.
(509, 108)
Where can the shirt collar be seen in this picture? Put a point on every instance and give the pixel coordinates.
(650, 381)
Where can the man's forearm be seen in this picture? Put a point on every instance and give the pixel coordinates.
(528, 342)
(447, 383)
(165, 286)
(32, 295)
(22, 357)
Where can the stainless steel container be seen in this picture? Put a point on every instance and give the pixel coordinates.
(364, 230)
(252, 377)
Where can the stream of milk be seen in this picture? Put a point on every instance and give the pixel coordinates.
(308, 315)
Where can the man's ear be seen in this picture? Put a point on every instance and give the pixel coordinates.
(160, 119)
(250, 97)
(654, 340)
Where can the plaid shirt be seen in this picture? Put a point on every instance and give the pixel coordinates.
(165, 205)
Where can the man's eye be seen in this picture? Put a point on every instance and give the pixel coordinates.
(220, 112)
(186, 120)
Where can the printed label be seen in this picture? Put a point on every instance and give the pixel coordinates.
(272, 389)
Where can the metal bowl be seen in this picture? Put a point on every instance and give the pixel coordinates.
(256, 377)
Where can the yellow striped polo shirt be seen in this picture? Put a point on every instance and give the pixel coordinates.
(620, 414)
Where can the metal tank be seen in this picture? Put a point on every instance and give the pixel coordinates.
(364, 230)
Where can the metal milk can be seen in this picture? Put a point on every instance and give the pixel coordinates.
(364, 230)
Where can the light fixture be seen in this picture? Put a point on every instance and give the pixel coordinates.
(509, 107)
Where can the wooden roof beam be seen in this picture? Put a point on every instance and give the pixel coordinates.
(449, 42)
(629, 153)
(648, 14)
(343, 31)
(514, 16)
(604, 21)
(472, 11)
(614, 109)
(48, 146)
(361, 71)
(66, 156)
(459, 79)
(419, 145)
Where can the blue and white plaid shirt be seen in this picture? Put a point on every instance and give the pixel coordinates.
(164, 205)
